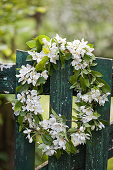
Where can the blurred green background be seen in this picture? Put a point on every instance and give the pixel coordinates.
(22, 20)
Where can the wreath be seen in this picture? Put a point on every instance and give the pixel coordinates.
(55, 136)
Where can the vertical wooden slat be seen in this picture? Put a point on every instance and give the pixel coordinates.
(61, 102)
(97, 155)
(24, 152)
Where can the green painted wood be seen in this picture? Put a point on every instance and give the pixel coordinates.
(24, 152)
(61, 102)
(110, 148)
(112, 82)
(97, 155)
(7, 78)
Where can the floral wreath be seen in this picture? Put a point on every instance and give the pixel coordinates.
(55, 135)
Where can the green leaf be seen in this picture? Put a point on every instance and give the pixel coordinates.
(41, 65)
(53, 112)
(100, 85)
(38, 46)
(76, 111)
(18, 106)
(85, 71)
(93, 80)
(74, 85)
(96, 73)
(62, 59)
(39, 41)
(23, 113)
(22, 88)
(58, 154)
(40, 38)
(68, 56)
(89, 130)
(96, 114)
(95, 122)
(45, 139)
(54, 66)
(87, 58)
(48, 137)
(70, 148)
(20, 120)
(40, 117)
(92, 57)
(106, 88)
(72, 130)
(90, 45)
(75, 118)
(86, 81)
(87, 125)
(83, 83)
(29, 58)
(31, 43)
(36, 119)
(74, 78)
(41, 80)
(93, 64)
(63, 118)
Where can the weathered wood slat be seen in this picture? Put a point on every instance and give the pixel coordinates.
(24, 151)
(61, 102)
(112, 81)
(7, 78)
(97, 155)
(110, 148)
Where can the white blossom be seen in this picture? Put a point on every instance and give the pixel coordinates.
(28, 75)
(80, 138)
(37, 56)
(44, 74)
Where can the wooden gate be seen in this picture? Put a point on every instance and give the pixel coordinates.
(58, 87)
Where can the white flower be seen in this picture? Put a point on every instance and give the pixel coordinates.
(85, 97)
(76, 61)
(88, 117)
(46, 43)
(60, 143)
(44, 124)
(28, 74)
(37, 56)
(44, 74)
(103, 99)
(101, 125)
(78, 66)
(30, 140)
(80, 138)
(27, 131)
(89, 50)
(16, 113)
(21, 97)
(48, 150)
(84, 65)
(82, 129)
(60, 40)
(92, 127)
